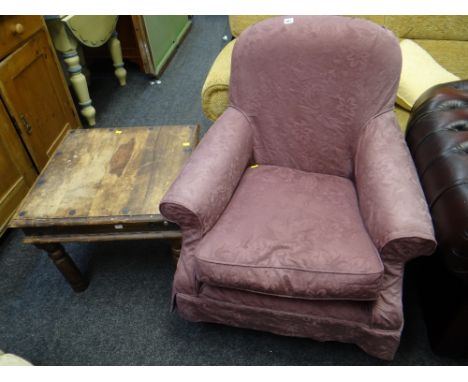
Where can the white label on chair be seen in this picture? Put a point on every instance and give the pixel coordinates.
(118, 226)
(289, 20)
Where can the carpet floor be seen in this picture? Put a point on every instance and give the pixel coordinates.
(124, 317)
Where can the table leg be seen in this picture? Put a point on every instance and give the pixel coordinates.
(67, 45)
(65, 265)
(116, 54)
(78, 81)
(176, 245)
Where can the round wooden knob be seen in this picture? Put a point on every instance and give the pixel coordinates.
(18, 28)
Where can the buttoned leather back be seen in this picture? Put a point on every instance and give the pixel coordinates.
(437, 136)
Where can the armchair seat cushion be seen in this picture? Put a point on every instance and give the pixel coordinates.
(291, 233)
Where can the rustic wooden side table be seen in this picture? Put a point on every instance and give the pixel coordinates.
(104, 184)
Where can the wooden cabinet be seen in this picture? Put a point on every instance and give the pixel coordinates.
(36, 108)
(14, 30)
(150, 41)
(17, 173)
(164, 35)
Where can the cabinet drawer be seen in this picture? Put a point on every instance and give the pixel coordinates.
(16, 29)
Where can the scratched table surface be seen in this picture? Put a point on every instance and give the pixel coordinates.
(99, 176)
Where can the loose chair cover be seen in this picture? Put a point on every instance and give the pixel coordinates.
(301, 205)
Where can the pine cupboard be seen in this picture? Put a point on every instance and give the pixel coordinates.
(36, 109)
(17, 172)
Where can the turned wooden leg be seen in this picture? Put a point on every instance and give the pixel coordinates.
(65, 265)
(175, 250)
(78, 81)
(116, 54)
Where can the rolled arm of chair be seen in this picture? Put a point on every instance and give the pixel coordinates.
(215, 91)
(203, 189)
(391, 199)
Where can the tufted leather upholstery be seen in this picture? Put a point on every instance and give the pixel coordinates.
(312, 239)
(437, 136)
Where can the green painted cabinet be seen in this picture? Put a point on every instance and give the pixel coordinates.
(164, 35)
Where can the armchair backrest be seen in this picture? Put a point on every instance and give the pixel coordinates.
(309, 84)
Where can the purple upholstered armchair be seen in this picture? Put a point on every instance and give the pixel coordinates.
(301, 205)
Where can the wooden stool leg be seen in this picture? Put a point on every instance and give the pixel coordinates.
(175, 250)
(65, 265)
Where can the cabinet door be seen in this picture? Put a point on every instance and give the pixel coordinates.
(165, 33)
(17, 172)
(36, 96)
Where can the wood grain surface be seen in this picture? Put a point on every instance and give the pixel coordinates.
(107, 175)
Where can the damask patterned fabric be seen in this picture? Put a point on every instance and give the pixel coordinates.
(415, 26)
(388, 187)
(305, 239)
(343, 75)
(444, 37)
(333, 190)
(208, 184)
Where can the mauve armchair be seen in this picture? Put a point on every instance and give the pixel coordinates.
(301, 205)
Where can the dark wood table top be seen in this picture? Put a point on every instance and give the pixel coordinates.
(107, 176)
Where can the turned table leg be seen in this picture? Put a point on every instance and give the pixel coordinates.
(116, 54)
(78, 81)
(175, 250)
(65, 265)
(67, 45)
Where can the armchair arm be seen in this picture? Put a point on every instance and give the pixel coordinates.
(391, 200)
(201, 192)
(215, 92)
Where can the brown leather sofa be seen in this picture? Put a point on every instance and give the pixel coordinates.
(437, 136)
